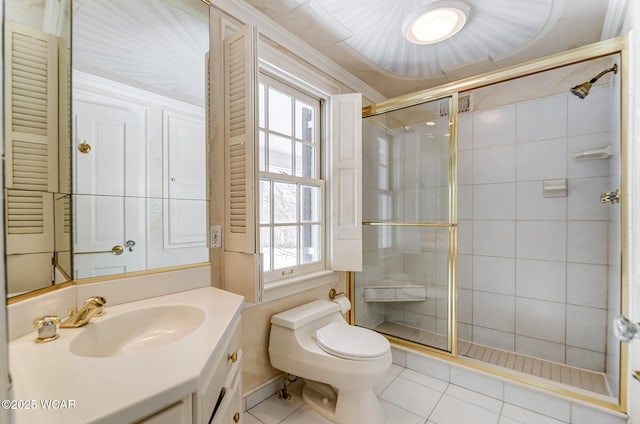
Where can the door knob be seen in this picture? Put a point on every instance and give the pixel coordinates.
(84, 147)
(118, 249)
(624, 329)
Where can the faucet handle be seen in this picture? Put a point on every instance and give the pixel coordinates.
(47, 328)
(96, 300)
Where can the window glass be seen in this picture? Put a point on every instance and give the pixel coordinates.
(291, 194)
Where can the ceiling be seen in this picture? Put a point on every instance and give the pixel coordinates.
(155, 45)
(364, 37)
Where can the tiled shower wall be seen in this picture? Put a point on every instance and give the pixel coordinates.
(533, 271)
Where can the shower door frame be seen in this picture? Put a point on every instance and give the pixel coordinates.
(618, 45)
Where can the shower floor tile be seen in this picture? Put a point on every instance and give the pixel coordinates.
(591, 381)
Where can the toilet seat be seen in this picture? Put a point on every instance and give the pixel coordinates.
(351, 342)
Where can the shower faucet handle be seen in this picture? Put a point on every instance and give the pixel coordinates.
(624, 329)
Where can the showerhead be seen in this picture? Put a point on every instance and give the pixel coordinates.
(582, 90)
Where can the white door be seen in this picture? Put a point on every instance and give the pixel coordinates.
(109, 186)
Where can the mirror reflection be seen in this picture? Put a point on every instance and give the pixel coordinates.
(118, 176)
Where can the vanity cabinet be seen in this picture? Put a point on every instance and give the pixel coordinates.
(178, 413)
(218, 401)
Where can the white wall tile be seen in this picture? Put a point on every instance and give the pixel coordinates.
(465, 302)
(494, 311)
(495, 275)
(531, 204)
(587, 285)
(589, 116)
(587, 241)
(465, 271)
(544, 280)
(465, 237)
(476, 381)
(534, 400)
(540, 319)
(465, 167)
(399, 356)
(583, 202)
(494, 127)
(586, 327)
(465, 131)
(541, 160)
(542, 119)
(541, 240)
(586, 359)
(542, 349)
(587, 168)
(494, 201)
(495, 338)
(465, 202)
(494, 238)
(465, 331)
(494, 164)
(581, 414)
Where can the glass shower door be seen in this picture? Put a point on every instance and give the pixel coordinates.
(409, 232)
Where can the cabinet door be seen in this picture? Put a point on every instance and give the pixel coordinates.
(230, 407)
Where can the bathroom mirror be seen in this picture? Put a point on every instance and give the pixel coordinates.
(114, 180)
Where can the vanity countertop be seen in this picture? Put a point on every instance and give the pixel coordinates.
(123, 388)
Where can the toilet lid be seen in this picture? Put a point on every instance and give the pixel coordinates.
(351, 342)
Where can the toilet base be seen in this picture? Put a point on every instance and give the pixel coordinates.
(345, 407)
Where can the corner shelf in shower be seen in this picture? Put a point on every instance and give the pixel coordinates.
(395, 293)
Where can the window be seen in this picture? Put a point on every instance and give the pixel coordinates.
(291, 193)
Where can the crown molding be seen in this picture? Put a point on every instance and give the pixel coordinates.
(270, 29)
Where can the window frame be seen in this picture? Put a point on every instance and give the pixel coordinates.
(274, 277)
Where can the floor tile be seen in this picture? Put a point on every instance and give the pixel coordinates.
(306, 415)
(411, 396)
(384, 383)
(526, 417)
(397, 415)
(250, 419)
(451, 410)
(274, 410)
(475, 398)
(505, 420)
(424, 380)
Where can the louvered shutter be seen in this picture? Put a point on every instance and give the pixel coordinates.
(346, 182)
(31, 109)
(241, 259)
(29, 221)
(31, 138)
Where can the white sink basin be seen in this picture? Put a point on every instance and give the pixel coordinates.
(136, 331)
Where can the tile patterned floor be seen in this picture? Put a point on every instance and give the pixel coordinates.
(408, 397)
(583, 379)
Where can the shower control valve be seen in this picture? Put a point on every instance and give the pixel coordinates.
(624, 329)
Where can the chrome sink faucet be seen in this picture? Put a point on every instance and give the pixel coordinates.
(92, 308)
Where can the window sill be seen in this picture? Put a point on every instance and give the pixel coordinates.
(293, 285)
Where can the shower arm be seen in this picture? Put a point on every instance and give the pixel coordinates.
(613, 69)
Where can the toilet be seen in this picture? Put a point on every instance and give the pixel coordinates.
(339, 363)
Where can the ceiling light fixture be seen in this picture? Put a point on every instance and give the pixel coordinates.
(440, 21)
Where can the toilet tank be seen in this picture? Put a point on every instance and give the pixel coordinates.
(305, 314)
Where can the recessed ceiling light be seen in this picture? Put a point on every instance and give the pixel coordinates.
(442, 20)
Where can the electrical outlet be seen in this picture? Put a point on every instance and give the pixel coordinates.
(216, 236)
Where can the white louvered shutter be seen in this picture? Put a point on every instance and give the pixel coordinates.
(31, 138)
(31, 109)
(241, 258)
(346, 182)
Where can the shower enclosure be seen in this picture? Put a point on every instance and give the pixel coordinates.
(492, 224)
